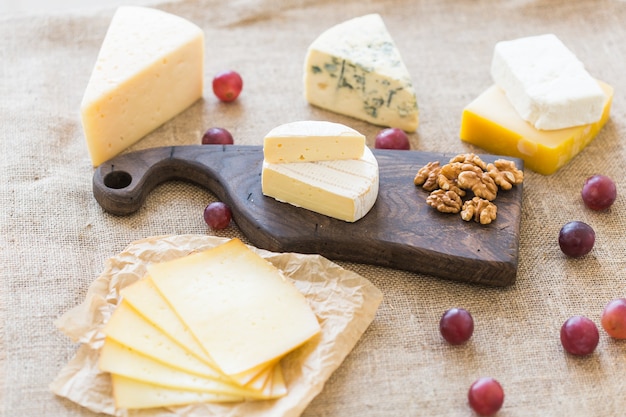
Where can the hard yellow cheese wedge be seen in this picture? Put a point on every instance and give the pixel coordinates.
(149, 69)
(241, 308)
(310, 141)
(491, 122)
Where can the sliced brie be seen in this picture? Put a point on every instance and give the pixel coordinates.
(342, 189)
(355, 69)
(546, 83)
(309, 141)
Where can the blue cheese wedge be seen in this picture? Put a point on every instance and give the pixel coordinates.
(342, 189)
(355, 69)
(546, 83)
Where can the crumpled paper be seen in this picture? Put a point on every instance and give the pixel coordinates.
(344, 302)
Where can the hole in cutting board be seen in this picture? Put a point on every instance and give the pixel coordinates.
(117, 179)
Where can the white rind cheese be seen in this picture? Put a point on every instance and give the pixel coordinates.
(342, 189)
(310, 141)
(546, 84)
(355, 69)
(149, 69)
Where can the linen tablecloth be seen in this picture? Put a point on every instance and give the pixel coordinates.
(55, 238)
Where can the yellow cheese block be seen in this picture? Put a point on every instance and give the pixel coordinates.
(310, 141)
(149, 69)
(118, 359)
(132, 394)
(491, 122)
(146, 299)
(241, 308)
(127, 327)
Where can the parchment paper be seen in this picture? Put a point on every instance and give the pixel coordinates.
(344, 302)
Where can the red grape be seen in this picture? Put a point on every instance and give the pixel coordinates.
(227, 85)
(486, 396)
(614, 318)
(456, 326)
(217, 136)
(217, 215)
(599, 192)
(392, 138)
(579, 335)
(576, 239)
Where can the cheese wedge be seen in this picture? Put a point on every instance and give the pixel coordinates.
(146, 299)
(121, 360)
(355, 69)
(310, 141)
(342, 189)
(491, 122)
(127, 327)
(546, 83)
(149, 69)
(240, 308)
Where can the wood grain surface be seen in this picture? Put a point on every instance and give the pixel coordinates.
(401, 231)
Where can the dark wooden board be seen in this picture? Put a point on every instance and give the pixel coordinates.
(401, 231)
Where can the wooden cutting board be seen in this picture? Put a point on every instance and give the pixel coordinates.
(401, 231)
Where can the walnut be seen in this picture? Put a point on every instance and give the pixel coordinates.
(505, 173)
(480, 210)
(449, 173)
(470, 158)
(482, 185)
(445, 201)
(427, 176)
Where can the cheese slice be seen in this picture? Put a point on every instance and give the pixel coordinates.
(546, 83)
(118, 359)
(309, 141)
(241, 308)
(146, 299)
(133, 394)
(355, 69)
(491, 122)
(127, 327)
(343, 189)
(149, 69)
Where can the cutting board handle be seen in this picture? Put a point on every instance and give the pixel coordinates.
(122, 184)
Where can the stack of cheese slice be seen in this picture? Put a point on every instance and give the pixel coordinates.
(355, 69)
(543, 108)
(149, 69)
(321, 166)
(208, 327)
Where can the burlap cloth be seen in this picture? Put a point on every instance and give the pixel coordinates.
(55, 238)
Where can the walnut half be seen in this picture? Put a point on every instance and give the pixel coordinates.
(445, 201)
(479, 210)
(505, 173)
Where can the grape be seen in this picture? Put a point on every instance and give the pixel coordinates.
(217, 215)
(456, 326)
(217, 136)
(227, 85)
(392, 138)
(614, 318)
(576, 239)
(579, 335)
(599, 192)
(486, 396)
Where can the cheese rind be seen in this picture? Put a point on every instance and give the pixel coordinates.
(344, 189)
(149, 69)
(310, 141)
(240, 308)
(491, 123)
(355, 69)
(546, 83)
